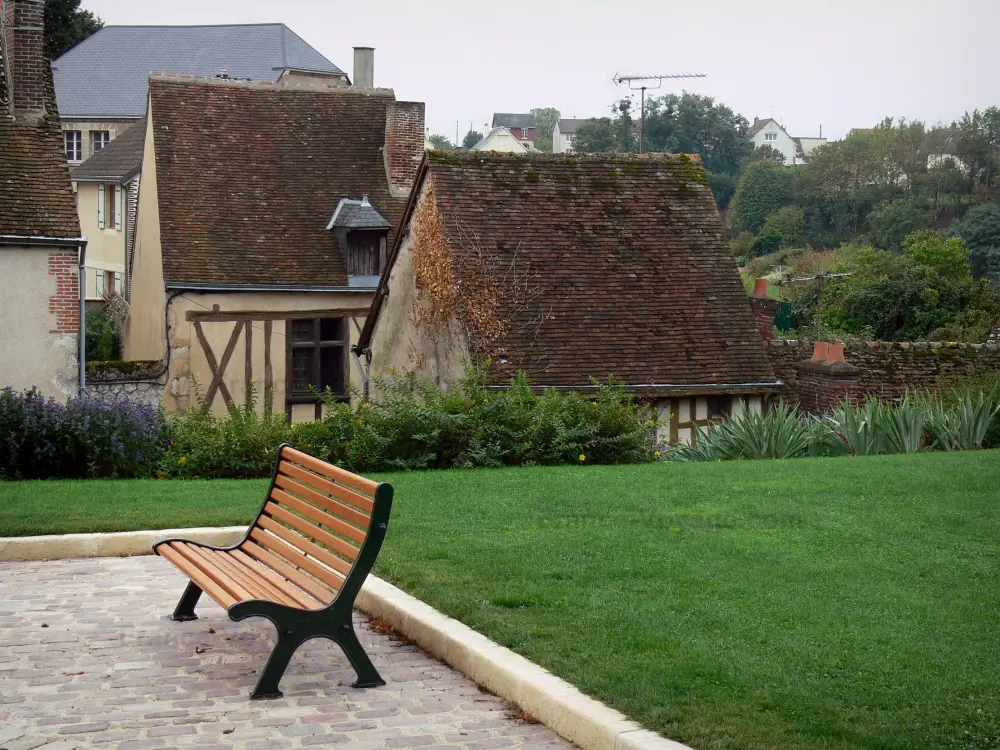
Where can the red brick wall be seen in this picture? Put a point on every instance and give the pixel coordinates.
(821, 390)
(65, 304)
(886, 369)
(27, 53)
(764, 310)
(404, 141)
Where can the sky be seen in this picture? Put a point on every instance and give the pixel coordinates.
(835, 65)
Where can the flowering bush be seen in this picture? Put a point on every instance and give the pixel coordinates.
(88, 438)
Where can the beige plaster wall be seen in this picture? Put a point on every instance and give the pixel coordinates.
(105, 247)
(434, 352)
(189, 361)
(30, 353)
(145, 333)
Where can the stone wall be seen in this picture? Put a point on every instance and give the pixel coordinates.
(141, 381)
(887, 368)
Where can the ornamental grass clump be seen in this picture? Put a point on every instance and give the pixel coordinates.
(963, 421)
(778, 433)
(89, 438)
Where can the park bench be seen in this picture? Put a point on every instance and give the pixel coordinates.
(300, 565)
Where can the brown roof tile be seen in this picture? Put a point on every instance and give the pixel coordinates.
(633, 272)
(249, 175)
(120, 160)
(35, 192)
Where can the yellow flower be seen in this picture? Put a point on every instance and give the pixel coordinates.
(582, 458)
(182, 460)
(161, 475)
(657, 454)
(368, 405)
(594, 403)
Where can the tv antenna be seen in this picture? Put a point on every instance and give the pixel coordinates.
(641, 80)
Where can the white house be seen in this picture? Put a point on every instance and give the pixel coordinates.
(501, 139)
(769, 132)
(563, 134)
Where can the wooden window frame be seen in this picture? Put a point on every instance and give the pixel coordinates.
(317, 344)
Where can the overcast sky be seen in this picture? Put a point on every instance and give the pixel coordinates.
(841, 64)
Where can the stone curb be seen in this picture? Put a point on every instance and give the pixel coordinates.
(554, 702)
(118, 544)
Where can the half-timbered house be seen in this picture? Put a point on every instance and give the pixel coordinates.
(572, 268)
(263, 222)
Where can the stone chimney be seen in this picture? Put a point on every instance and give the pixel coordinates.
(404, 142)
(364, 67)
(23, 53)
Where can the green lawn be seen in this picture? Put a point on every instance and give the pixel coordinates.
(813, 603)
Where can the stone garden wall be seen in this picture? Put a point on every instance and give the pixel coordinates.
(141, 381)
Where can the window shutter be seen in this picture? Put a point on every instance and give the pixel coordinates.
(118, 207)
(101, 287)
(119, 282)
(100, 206)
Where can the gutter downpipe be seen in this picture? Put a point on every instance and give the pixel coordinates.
(82, 336)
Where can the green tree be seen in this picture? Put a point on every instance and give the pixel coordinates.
(600, 135)
(948, 258)
(723, 187)
(981, 231)
(762, 189)
(890, 223)
(545, 122)
(788, 226)
(765, 153)
(978, 145)
(440, 142)
(471, 139)
(695, 124)
(66, 25)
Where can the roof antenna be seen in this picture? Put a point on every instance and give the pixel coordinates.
(619, 80)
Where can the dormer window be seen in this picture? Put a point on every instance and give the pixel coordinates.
(361, 233)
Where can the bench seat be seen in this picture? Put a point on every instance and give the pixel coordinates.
(300, 565)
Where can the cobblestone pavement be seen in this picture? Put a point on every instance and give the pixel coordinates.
(89, 658)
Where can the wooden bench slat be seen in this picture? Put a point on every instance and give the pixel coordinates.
(325, 485)
(202, 560)
(283, 567)
(342, 546)
(196, 574)
(292, 591)
(362, 484)
(299, 541)
(259, 586)
(328, 504)
(280, 547)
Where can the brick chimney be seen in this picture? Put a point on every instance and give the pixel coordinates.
(764, 307)
(24, 55)
(827, 380)
(404, 142)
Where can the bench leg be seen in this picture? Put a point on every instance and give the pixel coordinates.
(267, 685)
(368, 676)
(185, 607)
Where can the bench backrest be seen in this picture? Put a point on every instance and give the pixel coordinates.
(321, 526)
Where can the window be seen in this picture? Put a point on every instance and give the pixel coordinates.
(317, 357)
(102, 282)
(770, 136)
(109, 206)
(364, 252)
(569, 137)
(73, 144)
(99, 139)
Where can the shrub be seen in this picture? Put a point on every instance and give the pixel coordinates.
(781, 433)
(83, 438)
(102, 338)
(240, 444)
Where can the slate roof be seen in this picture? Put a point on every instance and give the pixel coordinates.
(247, 174)
(633, 272)
(570, 126)
(513, 120)
(759, 125)
(107, 74)
(357, 214)
(119, 161)
(35, 194)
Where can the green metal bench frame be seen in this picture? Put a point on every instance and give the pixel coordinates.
(296, 626)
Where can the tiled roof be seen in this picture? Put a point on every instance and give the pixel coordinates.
(513, 120)
(759, 125)
(354, 214)
(570, 126)
(247, 175)
(629, 257)
(119, 161)
(35, 194)
(107, 74)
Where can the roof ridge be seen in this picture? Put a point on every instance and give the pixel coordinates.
(187, 25)
(190, 78)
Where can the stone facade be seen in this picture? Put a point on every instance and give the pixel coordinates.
(886, 369)
(142, 382)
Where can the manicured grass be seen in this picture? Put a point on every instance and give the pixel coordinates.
(829, 603)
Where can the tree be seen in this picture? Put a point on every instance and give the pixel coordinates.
(594, 136)
(981, 231)
(948, 258)
(763, 188)
(891, 223)
(765, 153)
(545, 122)
(66, 25)
(471, 139)
(788, 226)
(440, 142)
(695, 124)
